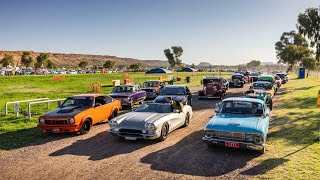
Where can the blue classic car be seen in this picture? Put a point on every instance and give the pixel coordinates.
(129, 94)
(239, 123)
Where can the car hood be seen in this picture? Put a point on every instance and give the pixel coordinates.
(162, 98)
(236, 123)
(120, 95)
(137, 120)
(68, 111)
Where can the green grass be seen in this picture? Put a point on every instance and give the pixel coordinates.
(17, 132)
(293, 150)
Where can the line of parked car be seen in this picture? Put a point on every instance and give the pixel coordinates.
(239, 122)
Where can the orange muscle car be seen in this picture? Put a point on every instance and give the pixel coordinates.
(79, 113)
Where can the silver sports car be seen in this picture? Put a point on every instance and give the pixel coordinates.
(150, 121)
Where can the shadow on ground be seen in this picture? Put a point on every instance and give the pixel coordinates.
(191, 156)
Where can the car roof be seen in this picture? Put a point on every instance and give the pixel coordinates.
(266, 76)
(243, 99)
(171, 86)
(88, 95)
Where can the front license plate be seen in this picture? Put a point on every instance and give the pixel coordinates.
(55, 130)
(231, 144)
(131, 138)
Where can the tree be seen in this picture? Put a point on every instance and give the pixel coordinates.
(42, 60)
(193, 66)
(7, 60)
(309, 63)
(26, 59)
(83, 64)
(309, 26)
(121, 67)
(109, 64)
(50, 64)
(134, 66)
(291, 48)
(173, 55)
(253, 64)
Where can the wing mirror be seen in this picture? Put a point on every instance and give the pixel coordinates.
(97, 105)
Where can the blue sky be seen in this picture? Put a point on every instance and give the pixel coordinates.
(220, 32)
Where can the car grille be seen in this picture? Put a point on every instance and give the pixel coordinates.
(131, 131)
(230, 135)
(147, 90)
(55, 122)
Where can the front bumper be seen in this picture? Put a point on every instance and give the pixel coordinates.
(59, 128)
(242, 145)
(154, 135)
(151, 95)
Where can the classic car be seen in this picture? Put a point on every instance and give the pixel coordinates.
(260, 94)
(152, 88)
(128, 94)
(283, 77)
(178, 93)
(270, 79)
(79, 113)
(264, 85)
(239, 123)
(213, 87)
(150, 121)
(237, 80)
(254, 76)
(278, 81)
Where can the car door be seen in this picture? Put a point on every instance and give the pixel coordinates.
(176, 120)
(100, 107)
(108, 106)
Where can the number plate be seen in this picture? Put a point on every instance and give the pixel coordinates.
(55, 130)
(131, 138)
(231, 144)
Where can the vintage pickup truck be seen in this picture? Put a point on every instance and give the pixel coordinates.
(152, 88)
(213, 87)
(128, 94)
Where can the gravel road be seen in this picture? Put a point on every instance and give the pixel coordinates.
(99, 155)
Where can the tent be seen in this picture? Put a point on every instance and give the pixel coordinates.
(159, 71)
(188, 70)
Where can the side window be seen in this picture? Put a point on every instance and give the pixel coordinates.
(108, 99)
(100, 100)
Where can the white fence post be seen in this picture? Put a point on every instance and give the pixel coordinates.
(23, 101)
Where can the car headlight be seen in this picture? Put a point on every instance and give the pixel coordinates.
(208, 133)
(257, 139)
(113, 124)
(71, 121)
(150, 126)
(41, 121)
(249, 137)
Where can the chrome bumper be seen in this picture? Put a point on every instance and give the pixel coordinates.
(154, 135)
(242, 145)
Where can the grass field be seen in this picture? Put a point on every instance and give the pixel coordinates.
(15, 132)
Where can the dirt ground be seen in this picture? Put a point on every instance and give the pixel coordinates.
(101, 156)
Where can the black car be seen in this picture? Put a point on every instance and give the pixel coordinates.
(237, 80)
(178, 93)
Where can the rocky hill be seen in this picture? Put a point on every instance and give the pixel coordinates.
(204, 64)
(72, 60)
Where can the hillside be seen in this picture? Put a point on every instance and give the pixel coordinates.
(73, 60)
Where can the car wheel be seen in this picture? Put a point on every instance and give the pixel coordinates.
(262, 151)
(164, 132)
(85, 127)
(187, 120)
(114, 114)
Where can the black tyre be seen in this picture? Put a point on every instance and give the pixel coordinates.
(164, 132)
(85, 127)
(187, 120)
(114, 114)
(262, 151)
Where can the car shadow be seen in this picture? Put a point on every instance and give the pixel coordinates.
(101, 146)
(191, 156)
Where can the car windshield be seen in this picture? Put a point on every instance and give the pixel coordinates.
(151, 84)
(154, 107)
(213, 81)
(241, 107)
(261, 85)
(254, 74)
(123, 89)
(237, 77)
(266, 79)
(172, 91)
(78, 101)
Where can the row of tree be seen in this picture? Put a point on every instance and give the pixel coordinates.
(111, 65)
(296, 48)
(42, 60)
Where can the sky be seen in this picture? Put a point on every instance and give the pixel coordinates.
(224, 32)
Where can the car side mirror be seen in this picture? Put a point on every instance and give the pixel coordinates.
(97, 105)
